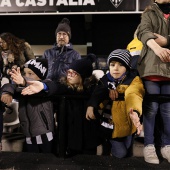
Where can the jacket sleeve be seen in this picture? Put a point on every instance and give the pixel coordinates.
(8, 88)
(134, 95)
(77, 56)
(55, 88)
(145, 28)
(28, 53)
(100, 94)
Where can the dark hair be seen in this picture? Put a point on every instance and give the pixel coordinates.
(15, 45)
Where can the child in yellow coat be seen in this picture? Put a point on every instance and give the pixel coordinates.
(125, 88)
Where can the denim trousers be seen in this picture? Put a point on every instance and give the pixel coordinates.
(150, 110)
(122, 147)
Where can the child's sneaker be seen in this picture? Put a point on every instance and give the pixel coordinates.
(165, 151)
(150, 155)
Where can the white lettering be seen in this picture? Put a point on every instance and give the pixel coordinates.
(30, 2)
(51, 2)
(5, 3)
(37, 65)
(41, 2)
(72, 3)
(91, 2)
(20, 4)
(60, 2)
(75, 2)
(43, 70)
(80, 2)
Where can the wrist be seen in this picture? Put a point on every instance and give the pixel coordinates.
(45, 88)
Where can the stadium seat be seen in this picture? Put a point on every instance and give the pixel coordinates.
(11, 117)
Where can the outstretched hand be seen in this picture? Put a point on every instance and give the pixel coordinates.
(34, 87)
(136, 121)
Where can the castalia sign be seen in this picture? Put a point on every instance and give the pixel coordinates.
(70, 6)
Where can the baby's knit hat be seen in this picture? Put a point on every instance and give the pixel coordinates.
(39, 66)
(121, 55)
(84, 66)
(64, 26)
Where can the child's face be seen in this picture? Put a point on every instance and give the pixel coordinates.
(73, 77)
(116, 69)
(30, 74)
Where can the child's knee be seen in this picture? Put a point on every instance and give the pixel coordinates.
(119, 154)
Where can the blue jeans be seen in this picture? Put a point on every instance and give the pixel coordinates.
(150, 109)
(122, 147)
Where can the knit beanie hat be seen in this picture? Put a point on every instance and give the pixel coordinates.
(84, 66)
(121, 55)
(39, 66)
(64, 26)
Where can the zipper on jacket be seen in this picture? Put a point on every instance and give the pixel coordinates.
(44, 119)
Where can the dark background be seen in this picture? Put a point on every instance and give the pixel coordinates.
(106, 31)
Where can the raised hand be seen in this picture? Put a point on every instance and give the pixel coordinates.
(16, 76)
(34, 87)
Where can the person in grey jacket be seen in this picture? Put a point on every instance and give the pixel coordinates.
(35, 113)
(62, 54)
(154, 68)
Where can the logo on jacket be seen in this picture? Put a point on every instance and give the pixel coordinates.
(116, 3)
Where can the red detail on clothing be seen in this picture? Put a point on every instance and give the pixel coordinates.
(166, 16)
(157, 78)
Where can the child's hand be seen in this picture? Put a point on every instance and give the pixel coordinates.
(6, 98)
(113, 94)
(34, 87)
(89, 113)
(136, 121)
(16, 76)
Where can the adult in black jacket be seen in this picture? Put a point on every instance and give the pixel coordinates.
(62, 54)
